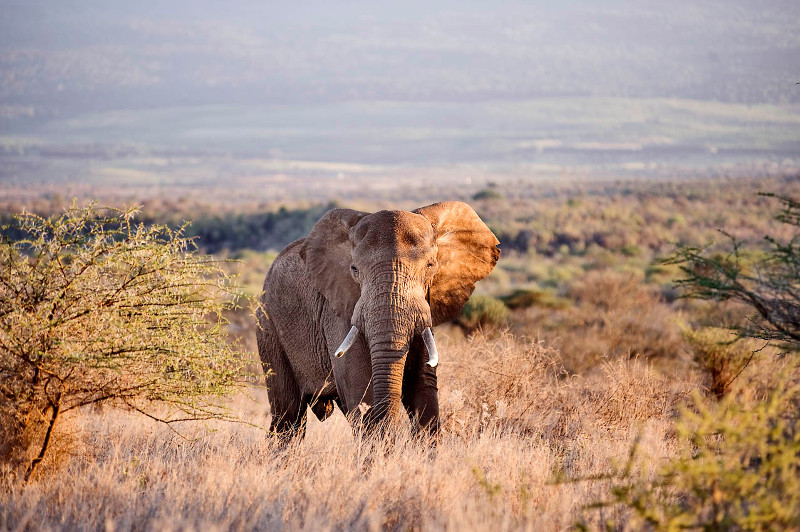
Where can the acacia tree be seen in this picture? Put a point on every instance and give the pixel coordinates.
(95, 309)
(741, 469)
(769, 284)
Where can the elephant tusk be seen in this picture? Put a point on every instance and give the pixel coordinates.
(348, 342)
(430, 344)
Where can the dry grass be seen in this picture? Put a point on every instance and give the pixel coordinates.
(513, 422)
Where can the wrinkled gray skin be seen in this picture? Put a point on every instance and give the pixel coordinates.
(391, 274)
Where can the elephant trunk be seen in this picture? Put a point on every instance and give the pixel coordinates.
(388, 352)
(387, 383)
(397, 313)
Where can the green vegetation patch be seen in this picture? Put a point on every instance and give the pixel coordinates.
(482, 311)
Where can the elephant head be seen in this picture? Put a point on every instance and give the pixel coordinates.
(395, 274)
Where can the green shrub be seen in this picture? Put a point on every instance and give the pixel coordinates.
(718, 354)
(487, 194)
(524, 298)
(631, 250)
(741, 470)
(483, 311)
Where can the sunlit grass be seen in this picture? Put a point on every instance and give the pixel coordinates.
(504, 442)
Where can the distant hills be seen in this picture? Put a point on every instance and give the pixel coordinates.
(385, 83)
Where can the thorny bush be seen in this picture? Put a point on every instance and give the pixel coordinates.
(96, 309)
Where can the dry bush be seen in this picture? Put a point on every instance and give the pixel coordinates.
(629, 392)
(623, 317)
(613, 316)
(502, 382)
(721, 355)
(763, 374)
(519, 385)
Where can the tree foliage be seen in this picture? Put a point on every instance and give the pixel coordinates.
(768, 283)
(94, 309)
(741, 470)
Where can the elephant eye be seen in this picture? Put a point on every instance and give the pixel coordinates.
(431, 265)
(354, 269)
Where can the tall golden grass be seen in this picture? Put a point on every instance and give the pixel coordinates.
(513, 422)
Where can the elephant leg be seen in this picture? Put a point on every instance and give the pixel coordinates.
(423, 405)
(420, 391)
(286, 403)
(426, 400)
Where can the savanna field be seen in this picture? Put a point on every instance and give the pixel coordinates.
(595, 380)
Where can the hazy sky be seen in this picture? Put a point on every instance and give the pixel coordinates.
(81, 55)
(628, 83)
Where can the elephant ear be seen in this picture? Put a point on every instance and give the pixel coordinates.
(327, 253)
(468, 250)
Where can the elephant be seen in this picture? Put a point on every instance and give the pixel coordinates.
(345, 315)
